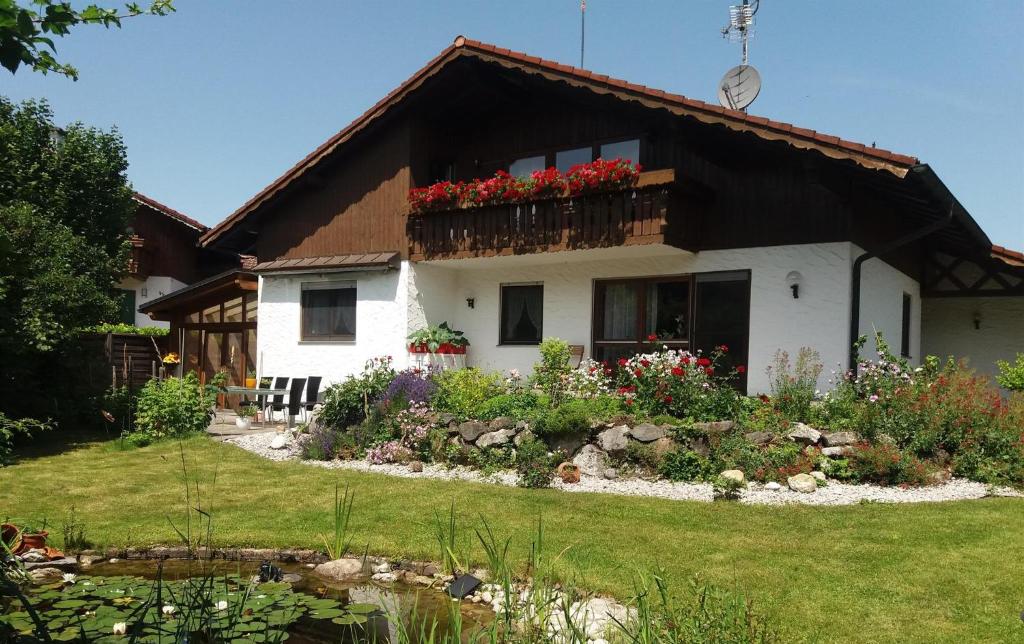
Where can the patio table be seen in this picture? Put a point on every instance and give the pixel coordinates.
(234, 390)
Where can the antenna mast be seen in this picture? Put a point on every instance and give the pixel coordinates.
(741, 84)
(583, 28)
(741, 24)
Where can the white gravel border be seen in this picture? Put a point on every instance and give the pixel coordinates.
(834, 493)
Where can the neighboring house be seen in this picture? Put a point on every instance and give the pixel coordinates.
(164, 257)
(742, 231)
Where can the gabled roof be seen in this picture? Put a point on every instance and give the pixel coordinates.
(832, 146)
(169, 212)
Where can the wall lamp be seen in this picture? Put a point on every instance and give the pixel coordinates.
(471, 302)
(793, 280)
(977, 321)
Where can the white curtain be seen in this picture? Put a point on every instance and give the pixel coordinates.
(620, 312)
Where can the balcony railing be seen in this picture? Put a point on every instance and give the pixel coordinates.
(633, 216)
(138, 257)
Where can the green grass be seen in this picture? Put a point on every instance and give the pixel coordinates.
(947, 572)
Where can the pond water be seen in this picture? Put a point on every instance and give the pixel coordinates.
(307, 610)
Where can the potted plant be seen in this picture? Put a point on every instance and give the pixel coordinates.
(250, 379)
(23, 539)
(244, 416)
(439, 338)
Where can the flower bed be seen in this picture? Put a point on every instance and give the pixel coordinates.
(503, 188)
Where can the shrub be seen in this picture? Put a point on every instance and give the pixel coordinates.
(644, 456)
(590, 380)
(462, 392)
(1011, 376)
(794, 389)
(128, 329)
(321, 443)
(727, 488)
(172, 407)
(348, 403)
(409, 386)
(521, 404)
(552, 372)
(573, 417)
(536, 467)
(885, 464)
(685, 466)
(10, 428)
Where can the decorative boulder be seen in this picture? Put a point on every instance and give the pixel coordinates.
(615, 439)
(472, 430)
(839, 439)
(664, 445)
(447, 420)
(647, 432)
(837, 452)
(569, 444)
(802, 483)
(759, 438)
(503, 422)
(734, 475)
(495, 439)
(717, 427)
(279, 442)
(611, 473)
(341, 570)
(523, 436)
(773, 486)
(804, 434)
(591, 460)
(416, 466)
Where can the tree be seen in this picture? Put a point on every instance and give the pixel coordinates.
(65, 204)
(25, 31)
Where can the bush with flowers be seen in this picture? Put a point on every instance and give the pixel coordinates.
(602, 175)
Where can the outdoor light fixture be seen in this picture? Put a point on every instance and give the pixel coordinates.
(793, 280)
(471, 302)
(977, 321)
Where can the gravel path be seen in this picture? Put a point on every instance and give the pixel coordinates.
(834, 493)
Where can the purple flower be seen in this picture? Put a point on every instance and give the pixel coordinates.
(411, 385)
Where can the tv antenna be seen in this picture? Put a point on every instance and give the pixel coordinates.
(741, 84)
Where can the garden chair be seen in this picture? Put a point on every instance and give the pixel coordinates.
(295, 398)
(277, 400)
(312, 395)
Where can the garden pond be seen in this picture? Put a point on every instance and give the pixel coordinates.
(223, 602)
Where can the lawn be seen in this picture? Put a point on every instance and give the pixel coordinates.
(870, 573)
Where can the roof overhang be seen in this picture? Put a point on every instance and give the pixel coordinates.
(330, 264)
(169, 212)
(218, 288)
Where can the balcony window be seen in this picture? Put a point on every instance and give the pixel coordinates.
(525, 167)
(329, 311)
(522, 313)
(566, 159)
(622, 150)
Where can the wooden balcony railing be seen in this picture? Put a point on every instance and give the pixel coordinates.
(634, 216)
(138, 257)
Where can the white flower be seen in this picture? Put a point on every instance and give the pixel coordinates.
(69, 577)
(168, 610)
(222, 605)
(120, 628)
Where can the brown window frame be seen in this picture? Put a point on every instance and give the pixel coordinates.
(642, 283)
(502, 341)
(325, 286)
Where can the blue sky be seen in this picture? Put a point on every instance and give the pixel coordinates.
(217, 100)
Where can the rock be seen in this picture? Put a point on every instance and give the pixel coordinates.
(291, 577)
(522, 425)
(939, 476)
(87, 560)
(591, 460)
(819, 476)
(341, 569)
(772, 485)
(523, 435)
(495, 439)
(615, 439)
(430, 570)
(170, 552)
(422, 580)
(503, 422)
(700, 445)
(567, 443)
(839, 439)
(383, 567)
(34, 556)
(280, 442)
(66, 564)
(416, 466)
(611, 474)
(734, 475)
(837, 452)
(385, 577)
(446, 420)
(759, 438)
(804, 434)
(717, 427)
(802, 483)
(471, 430)
(647, 432)
(44, 574)
(665, 445)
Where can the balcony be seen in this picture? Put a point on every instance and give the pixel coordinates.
(138, 257)
(627, 217)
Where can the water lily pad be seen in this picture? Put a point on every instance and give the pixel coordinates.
(361, 608)
(350, 619)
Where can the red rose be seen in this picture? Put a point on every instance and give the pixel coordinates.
(741, 369)
(652, 338)
(703, 362)
(622, 362)
(685, 360)
(723, 348)
(668, 399)
(709, 371)
(645, 363)
(638, 373)
(677, 371)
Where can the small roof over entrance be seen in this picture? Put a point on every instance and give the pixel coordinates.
(218, 288)
(332, 263)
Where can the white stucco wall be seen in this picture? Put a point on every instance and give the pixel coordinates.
(947, 329)
(381, 326)
(151, 288)
(819, 318)
(881, 306)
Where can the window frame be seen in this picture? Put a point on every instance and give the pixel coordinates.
(642, 285)
(331, 285)
(502, 341)
(906, 312)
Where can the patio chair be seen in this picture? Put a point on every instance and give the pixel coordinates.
(277, 400)
(312, 395)
(295, 397)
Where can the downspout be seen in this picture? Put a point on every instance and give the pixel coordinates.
(885, 250)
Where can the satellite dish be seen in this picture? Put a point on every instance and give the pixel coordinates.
(739, 87)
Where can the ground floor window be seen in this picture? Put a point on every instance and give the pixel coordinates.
(522, 313)
(328, 311)
(685, 312)
(905, 327)
(127, 313)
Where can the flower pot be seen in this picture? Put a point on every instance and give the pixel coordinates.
(418, 348)
(243, 423)
(250, 383)
(568, 472)
(459, 350)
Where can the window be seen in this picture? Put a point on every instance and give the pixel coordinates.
(622, 150)
(522, 313)
(721, 306)
(568, 158)
(525, 167)
(329, 311)
(905, 327)
(128, 307)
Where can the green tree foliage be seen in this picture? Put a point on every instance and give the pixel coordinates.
(27, 29)
(65, 203)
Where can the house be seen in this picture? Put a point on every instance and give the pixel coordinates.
(164, 257)
(741, 231)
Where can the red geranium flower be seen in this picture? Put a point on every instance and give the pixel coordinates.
(685, 360)
(646, 363)
(652, 338)
(622, 362)
(723, 348)
(677, 371)
(638, 373)
(709, 371)
(703, 362)
(741, 369)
